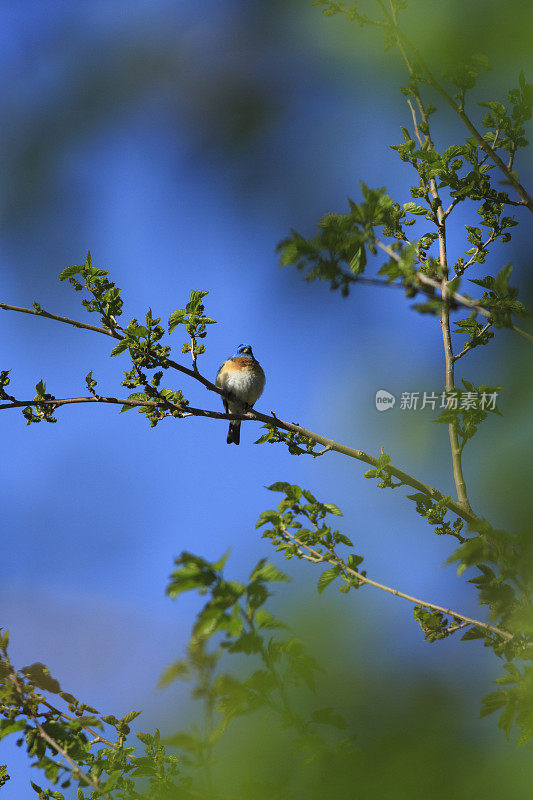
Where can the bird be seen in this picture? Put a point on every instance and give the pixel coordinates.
(241, 376)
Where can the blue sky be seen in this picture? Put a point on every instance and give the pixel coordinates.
(95, 507)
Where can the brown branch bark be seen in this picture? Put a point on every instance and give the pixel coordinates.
(256, 416)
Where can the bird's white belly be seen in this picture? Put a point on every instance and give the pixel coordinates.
(245, 385)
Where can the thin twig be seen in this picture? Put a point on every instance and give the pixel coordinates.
(451, 207)
(454, 628)
(336, 561)
(415, 123)
(511, 158)
(484, 246)
(321, 452)
(42, 313)
(525, 334)
(493, 145)
(456, 451)
(97, 736)
(193, 354)
(468, 345)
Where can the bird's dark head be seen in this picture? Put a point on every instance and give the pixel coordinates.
(244, 350)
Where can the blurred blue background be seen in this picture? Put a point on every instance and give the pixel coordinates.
(179, 142)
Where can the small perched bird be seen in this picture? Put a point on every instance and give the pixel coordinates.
(243, 377)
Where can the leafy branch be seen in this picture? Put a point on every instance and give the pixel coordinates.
(464, 78)
(60, 743)
(274, 425)
(317, 544)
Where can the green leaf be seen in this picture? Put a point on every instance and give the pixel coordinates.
(264, 571)
(139, 396)
(138, 331)
(333, 509)
(180, 669)
(280, 486)
(502, 279)
(413, 208)
(130, 717)
(39, 675)
(472, 633)
(492, 702)
(354, 561)
(264, 619)
(383, 460)
(506, 719)
(136, 396)
(485, 283)
(145, 738)
(209, 621)
(120, 347)
(197, 296)
(219, 563)
(294, 493)
(193, 573)
(176, 318)
(8, 726)
(268, 516)
(340, 537)
(497, 108)
(68, 698)
(327, 577)
(68, 272)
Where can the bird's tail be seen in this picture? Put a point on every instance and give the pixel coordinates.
(234, 432)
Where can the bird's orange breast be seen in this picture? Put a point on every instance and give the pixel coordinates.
(238, 363)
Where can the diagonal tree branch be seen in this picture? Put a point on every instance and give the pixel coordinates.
(456, 297)
(257, 416)
(332, 558)
(39, 312)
